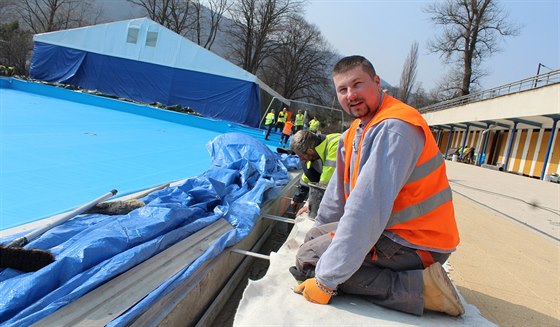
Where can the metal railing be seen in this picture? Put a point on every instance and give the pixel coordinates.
(536, 81)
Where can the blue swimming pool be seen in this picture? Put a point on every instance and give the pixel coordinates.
(61, 148)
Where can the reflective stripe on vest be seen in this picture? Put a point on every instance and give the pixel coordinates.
(329, 139)
(421, 208)
(426, 168)
(422, 212)
(327, 151)
(282, 117)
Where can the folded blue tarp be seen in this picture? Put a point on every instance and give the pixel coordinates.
(92, 249)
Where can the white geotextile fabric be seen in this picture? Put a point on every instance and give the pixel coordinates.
(271, 301)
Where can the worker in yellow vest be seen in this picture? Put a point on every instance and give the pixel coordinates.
(269, 122)
(314, 124)
(282, 118)
(317, 155)
(299, 121)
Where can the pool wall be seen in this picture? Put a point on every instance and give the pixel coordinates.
(115, 104)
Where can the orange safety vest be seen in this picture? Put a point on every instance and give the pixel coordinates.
(288, 128)
(423, 212)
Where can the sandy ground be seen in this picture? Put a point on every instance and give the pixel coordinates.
(508, 271)
(508, 261)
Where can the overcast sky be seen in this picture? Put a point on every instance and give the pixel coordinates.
(384, 30)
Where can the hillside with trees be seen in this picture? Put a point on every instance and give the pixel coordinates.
(271, 39)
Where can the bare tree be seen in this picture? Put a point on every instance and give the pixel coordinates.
(408, 75)
(299, 67)
(449, 86)
(187, 17)
(471, 33)
(173, 14)
(52, 15)
(15, 47)
(255, 25)
(7, 11)
(206, 26)
(419, 98)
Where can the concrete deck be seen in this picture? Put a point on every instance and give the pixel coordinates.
(507, 267)
(508, 262)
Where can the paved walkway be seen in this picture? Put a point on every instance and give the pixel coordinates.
(508, 262)
(531, 202)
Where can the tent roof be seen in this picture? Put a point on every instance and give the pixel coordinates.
(131, 39)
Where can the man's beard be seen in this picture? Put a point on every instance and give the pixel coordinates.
(362, 113)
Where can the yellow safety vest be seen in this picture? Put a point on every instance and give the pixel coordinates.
(314, 125)
(327, 152)
(269, 118)
(299, 120)
(282, 117)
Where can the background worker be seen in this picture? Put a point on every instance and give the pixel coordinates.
(314, 124)
(388, 202)
(299, 121)
(317, 154)
(282, 118)
(269, 122)
(286, 132)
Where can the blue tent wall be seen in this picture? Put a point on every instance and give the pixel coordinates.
(211, 95)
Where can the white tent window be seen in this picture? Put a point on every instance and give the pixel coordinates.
(132, 36)
(151, 39)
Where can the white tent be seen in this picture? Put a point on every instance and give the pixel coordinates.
(142, 60)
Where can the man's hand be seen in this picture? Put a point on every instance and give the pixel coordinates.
(314, 291)
(295, 206)
(302, 210)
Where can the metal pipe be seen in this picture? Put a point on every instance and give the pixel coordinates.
(278, 218)
(251, 254)
(266, 112)
(448, 142)
(513, 129)
(485, 137)
(464, 143)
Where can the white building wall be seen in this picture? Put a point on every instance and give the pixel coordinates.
(539, 101)
(525, 151)
(536, 154)
(504, 153)
(512, 158)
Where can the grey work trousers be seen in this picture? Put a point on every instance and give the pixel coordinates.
(391, 277)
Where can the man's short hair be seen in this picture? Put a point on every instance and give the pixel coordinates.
(304, 140)
(347, 63)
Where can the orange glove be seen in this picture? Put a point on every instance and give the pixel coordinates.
(314, 291)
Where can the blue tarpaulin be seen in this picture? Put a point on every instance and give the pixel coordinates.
(92, 249)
